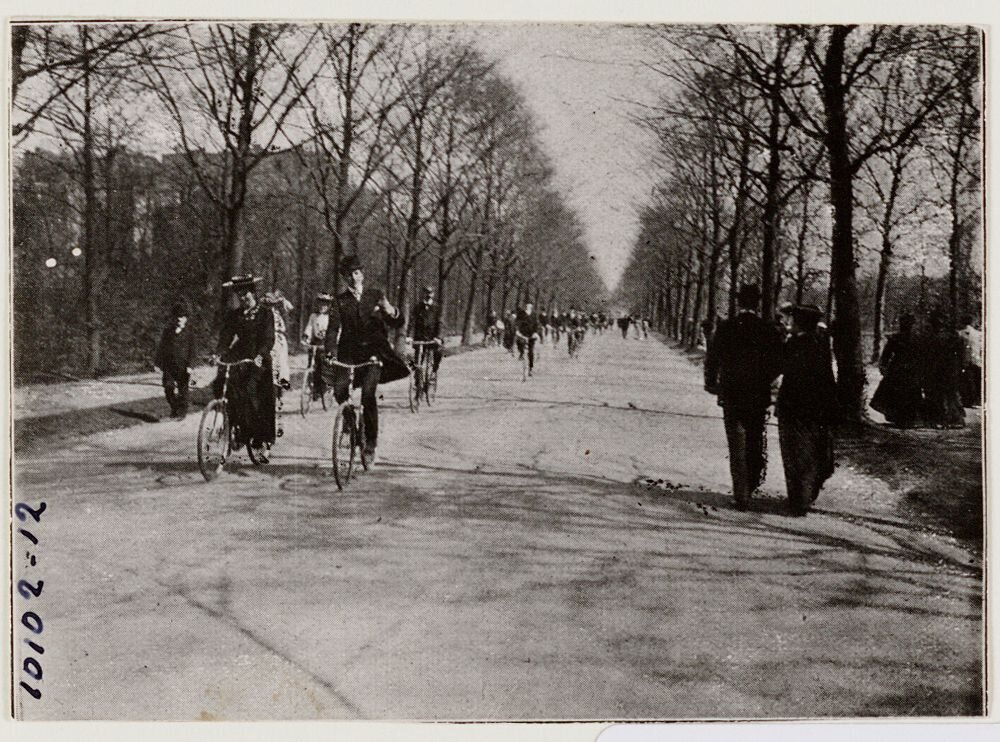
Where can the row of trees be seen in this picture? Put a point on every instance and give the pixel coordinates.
(152, 161)
(826, 163)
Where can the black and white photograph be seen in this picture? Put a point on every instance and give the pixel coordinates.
(384, 370)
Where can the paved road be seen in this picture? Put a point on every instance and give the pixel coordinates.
(563, 548)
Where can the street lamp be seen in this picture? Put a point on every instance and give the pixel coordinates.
(76, 252)
(50, 263)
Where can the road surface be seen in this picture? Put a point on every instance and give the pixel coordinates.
(563, 548)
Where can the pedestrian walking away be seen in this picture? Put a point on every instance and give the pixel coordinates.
(899, 396)
(806, 409)
(175, 357)
(359, 323)
(742, 362)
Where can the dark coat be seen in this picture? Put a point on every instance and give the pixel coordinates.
(743, 359)
(425, 322)
(247, 334)
(899, 395)
(528, 324)
(175, 352)
(808, 389)
(359, 330)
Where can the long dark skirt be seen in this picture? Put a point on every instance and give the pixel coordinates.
(250, 392)
(807, 458)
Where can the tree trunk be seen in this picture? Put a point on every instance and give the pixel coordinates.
(847, 330)
(92, 260)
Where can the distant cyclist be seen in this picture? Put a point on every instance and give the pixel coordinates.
(314, 335)
(425, 326)
(528, 331)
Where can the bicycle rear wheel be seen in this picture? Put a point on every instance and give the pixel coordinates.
(305, 396)
(344, 436)
(213, 439)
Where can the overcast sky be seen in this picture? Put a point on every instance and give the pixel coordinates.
(579, 81)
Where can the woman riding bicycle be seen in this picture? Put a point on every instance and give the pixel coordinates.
(248, 334)
(313, 337)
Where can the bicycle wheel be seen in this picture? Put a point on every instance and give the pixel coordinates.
(359, 439)
(344, 434)
(213, 439)
(414, 390)
(431, 388)
(305, 396)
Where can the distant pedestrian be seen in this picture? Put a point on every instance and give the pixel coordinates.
(623, 323)
(899, 396)
(806, 409)
(942, 374)
(972, 369)
(743, 360)
(174, 357)
(645, 328)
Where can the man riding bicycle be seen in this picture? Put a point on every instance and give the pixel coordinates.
(248, 334)
(425, 327)
(528, 332)
(357, 330)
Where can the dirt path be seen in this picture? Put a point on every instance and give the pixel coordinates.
(563, 548)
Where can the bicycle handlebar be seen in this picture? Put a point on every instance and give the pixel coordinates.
(220, 362)
(373, 361)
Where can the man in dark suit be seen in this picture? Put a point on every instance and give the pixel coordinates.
(174, 357)
(528, 331)
(743, 360)
(358, 329)
(425, 326)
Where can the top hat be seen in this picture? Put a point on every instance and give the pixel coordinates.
(180, 309)
(749, 293)
(807, 315)
(349, 264)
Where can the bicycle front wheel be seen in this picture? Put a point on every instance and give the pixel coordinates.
(414, 390)
(305, 396)
(344, 437)
(213, 439)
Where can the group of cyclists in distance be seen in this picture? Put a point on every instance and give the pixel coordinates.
(350, 331)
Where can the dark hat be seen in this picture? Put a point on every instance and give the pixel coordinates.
(787, 308)
(179, 309)
(749, 293)
(349, 264)
(241, 283)
(429, 289)
(807, 315)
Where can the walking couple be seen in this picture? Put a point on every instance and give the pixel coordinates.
(745, 357)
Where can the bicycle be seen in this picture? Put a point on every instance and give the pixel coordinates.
(349, 428)
(423, 380)
(215, 433)
(524, 352)
(308, 391)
